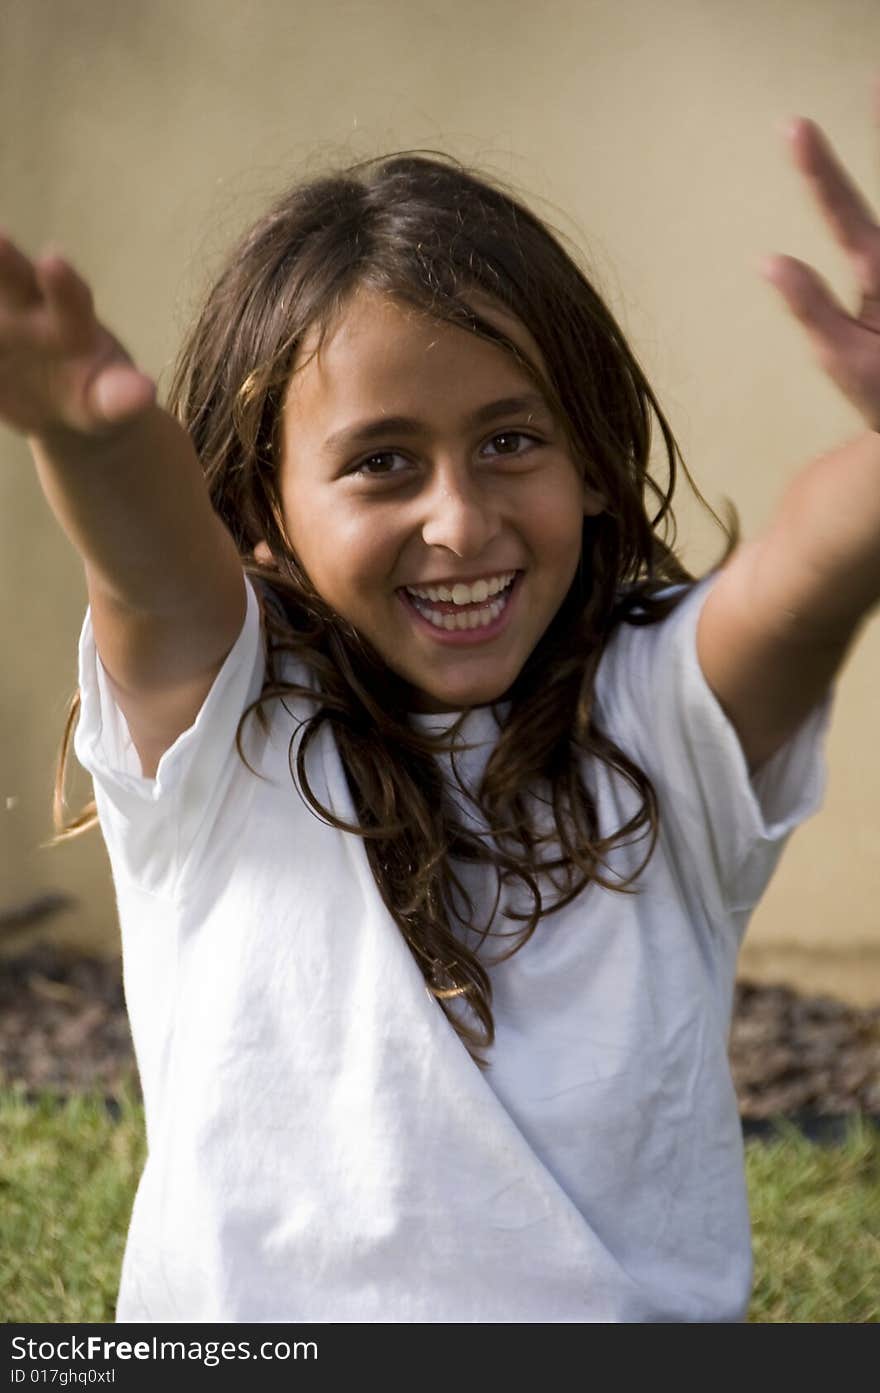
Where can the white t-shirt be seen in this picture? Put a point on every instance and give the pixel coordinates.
(321, 1147)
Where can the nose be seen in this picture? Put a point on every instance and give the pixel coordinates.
(460, 516)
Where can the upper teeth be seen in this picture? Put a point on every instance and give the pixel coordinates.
(461, 594)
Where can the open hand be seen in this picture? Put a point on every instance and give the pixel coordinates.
(59, 368)
(847, 345)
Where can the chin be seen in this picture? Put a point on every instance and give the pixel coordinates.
(456, 696)
(459, 700)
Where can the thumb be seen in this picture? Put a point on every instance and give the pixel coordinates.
(119, 392)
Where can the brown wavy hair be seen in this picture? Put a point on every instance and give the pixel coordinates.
(425, 229)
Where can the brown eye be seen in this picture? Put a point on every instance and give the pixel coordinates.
(514, 435)
(363, 466)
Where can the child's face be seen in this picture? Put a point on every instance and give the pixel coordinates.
(449, 502)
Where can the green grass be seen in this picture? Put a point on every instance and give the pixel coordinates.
(68, 1176)
(816, 1227)
(67, 1180)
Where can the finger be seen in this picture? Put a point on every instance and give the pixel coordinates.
(812, 303)
(18, 285)
(847, 212)
(68, 299)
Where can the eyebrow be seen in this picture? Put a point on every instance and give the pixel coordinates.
(367, 432)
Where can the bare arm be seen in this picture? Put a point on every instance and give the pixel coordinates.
(135, 505)
(781, 617)
(783, 614)
(164, 580)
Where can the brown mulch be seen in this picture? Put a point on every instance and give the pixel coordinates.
(63, 1028)
(63, 1024)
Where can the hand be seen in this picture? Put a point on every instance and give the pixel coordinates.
(59, 368)
(847, 346)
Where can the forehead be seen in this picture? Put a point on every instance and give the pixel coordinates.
(380, 350)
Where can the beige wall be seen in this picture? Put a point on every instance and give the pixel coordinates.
(141, 136)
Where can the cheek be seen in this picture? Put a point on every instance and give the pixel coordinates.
(319, 530)
(351, 556)
(558, 527)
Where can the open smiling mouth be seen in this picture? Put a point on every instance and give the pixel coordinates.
(474, 622)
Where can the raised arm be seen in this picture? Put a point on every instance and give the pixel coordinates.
(164, 579)
(781, 617)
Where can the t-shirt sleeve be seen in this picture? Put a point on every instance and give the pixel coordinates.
(727, 829)
(151, 825)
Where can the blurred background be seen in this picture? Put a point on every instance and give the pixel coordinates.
(139, 138)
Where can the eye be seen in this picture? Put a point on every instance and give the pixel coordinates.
(362, 467)
(376, 466)
(514, 435)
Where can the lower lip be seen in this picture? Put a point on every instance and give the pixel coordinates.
(466, 638)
